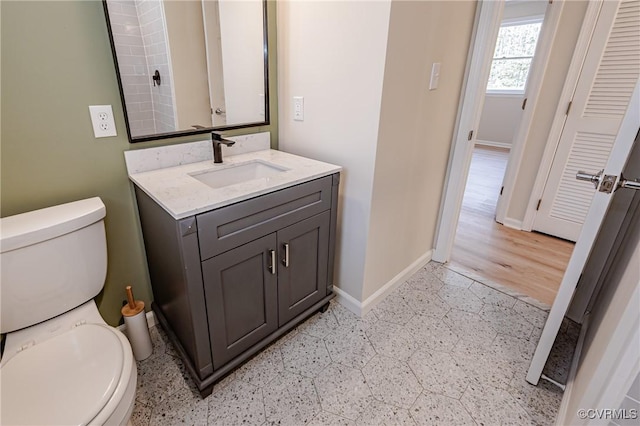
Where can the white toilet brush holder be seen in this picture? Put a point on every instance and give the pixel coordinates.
(135, 321)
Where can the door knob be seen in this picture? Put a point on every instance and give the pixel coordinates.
(595, 179)
(631, 184)
(606, 183)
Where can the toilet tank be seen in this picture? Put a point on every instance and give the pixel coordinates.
(51, 261)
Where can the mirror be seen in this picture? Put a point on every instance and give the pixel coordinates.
(189, 66)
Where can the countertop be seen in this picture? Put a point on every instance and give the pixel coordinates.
(182, 195)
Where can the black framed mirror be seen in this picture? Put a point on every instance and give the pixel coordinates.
(187, 67)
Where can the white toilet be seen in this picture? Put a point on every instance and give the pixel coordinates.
(62, 364)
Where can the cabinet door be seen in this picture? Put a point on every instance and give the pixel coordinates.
(240, 290)
(302, 268)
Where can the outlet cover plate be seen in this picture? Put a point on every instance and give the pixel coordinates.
(102, 120)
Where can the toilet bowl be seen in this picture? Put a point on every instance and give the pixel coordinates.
(61, 363)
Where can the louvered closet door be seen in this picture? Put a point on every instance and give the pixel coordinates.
(608, 77)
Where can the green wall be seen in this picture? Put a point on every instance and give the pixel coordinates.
(56, 61)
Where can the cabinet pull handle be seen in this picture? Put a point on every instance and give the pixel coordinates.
(272, 261)
(285, 261)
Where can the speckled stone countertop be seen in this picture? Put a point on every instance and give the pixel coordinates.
(181, 195)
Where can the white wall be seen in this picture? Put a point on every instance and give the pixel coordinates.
(414, 139)
(559, 61)
(333, 54)
(185, 30)
(363, 70)
(242, 40)
(523, 9)
(501, 115)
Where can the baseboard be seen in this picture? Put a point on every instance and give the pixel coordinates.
(348, 301)
(151, 321)
(561, 418)
(512, 223)
(493, 144)
(361, 308)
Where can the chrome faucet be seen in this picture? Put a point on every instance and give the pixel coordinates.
(217, 139)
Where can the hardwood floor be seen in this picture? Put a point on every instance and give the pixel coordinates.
(525, 262)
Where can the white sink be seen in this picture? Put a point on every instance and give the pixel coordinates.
(231, 175)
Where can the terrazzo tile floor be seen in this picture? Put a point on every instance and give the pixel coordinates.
(442, 349)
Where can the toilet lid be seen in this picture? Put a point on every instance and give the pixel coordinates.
(66, 380)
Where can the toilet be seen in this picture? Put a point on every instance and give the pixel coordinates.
(62, 364)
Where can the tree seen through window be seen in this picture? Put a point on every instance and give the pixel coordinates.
(512, 58)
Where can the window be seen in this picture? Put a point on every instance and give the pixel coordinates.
(512, 58)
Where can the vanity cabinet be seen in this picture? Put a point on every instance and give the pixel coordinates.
(262, 285)
(229, 281)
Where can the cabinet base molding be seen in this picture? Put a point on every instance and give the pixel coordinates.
(205, 386)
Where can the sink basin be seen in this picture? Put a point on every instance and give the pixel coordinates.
(219, 178)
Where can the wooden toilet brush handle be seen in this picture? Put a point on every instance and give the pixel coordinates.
(130, 299)
(132, 307)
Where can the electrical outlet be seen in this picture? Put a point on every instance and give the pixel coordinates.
(102, 121)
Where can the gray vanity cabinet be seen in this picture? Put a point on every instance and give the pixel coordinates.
(252, 290)
(242, 298)
(229, 281)
(302, 269)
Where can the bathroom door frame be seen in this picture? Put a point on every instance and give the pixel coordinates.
(486, 27)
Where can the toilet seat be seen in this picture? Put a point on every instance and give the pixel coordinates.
(67, 379)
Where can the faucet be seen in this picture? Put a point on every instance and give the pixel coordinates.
(217, 139)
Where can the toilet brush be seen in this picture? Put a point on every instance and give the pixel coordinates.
(135, 321)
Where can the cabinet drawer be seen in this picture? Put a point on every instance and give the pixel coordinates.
(228, 227)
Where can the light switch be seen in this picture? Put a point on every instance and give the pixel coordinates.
(298, 108)
(435, 76)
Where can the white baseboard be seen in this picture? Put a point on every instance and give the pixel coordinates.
(361, 308)
(493, 144)
(512, 223)
(151, 321)
(348, 301)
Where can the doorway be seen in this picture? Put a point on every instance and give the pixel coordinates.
(518, 262)
(599, 24)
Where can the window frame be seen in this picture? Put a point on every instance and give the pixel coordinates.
(512, 22)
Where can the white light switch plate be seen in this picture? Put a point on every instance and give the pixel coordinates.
(298, 108)
(435, 76)
(102, 121)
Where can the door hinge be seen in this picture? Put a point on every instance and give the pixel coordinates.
(538, 206)
(501, 189)
(568, 108)
(470, 135)
(524, 103)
